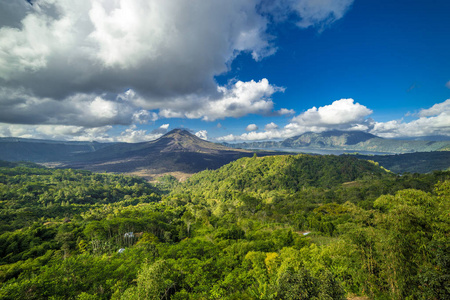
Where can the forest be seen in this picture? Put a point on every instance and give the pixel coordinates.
(274, 227)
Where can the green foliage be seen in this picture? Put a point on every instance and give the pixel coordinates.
(289, 173)
(293, 227)
(153, 282)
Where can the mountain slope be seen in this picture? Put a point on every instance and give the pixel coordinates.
(350, 141)
(18, 149)
(333, 138)
(177, 151)
(289, 173)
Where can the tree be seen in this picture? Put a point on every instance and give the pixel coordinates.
(154, 282)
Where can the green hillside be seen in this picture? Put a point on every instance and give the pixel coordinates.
(285, 227)
(286, 173)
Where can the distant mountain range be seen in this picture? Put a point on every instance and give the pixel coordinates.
(178, 152)
(181, 153)
(39, 151)
(349, 141)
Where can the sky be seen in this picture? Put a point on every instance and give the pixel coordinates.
(227, 70)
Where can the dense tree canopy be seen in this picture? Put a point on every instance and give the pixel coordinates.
(286, 227)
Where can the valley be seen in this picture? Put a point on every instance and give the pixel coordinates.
(200, 220)
(181, 154)
(279, 227)
(224, 150)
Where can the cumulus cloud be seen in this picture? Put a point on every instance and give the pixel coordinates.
(161, 49)
(13, 12)
(236, 100)
(163, 129)
(436, 109)
(135, 135)
(132, 134)
(227, 138)
(203, 134)
(58, 132)
(437, 125)
(432, 121)
(285, 111)
(251, 127)
(271, 126)
(252, 136)
(346, 115)
(340, 112)
(95, 63)
(20, 106)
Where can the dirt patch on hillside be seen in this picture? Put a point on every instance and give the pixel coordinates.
(358, 298)
(153, 176)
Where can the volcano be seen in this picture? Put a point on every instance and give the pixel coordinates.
(179, 153)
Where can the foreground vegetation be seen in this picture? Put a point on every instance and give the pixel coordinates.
(285, 227)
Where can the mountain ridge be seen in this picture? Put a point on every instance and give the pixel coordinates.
(348, 141)
(328, 138)
(39, 151)
(178, 152)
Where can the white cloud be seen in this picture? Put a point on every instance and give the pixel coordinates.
(436, 109)
(162, 49)
(236, 100)
(203, 134)
(13, 12)
(79, 133)
(251, 127)
(285, 111)
(448, 84)
(226, 138)
(255, 136)
(163, 129)
(90, 110)
(437, 125)
(56, 132)
(134, 135)
(143, 116)
(320, 12)
(69, 62)
(271, 126)
(432, 121)
(340, 112)
(101, 108)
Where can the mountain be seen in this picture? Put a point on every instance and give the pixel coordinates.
(33, 150)
(329, 139)
(178, 152)
(181, 153)
(350, 141)
(290, 173)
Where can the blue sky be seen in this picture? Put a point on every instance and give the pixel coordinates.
(111, 70)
